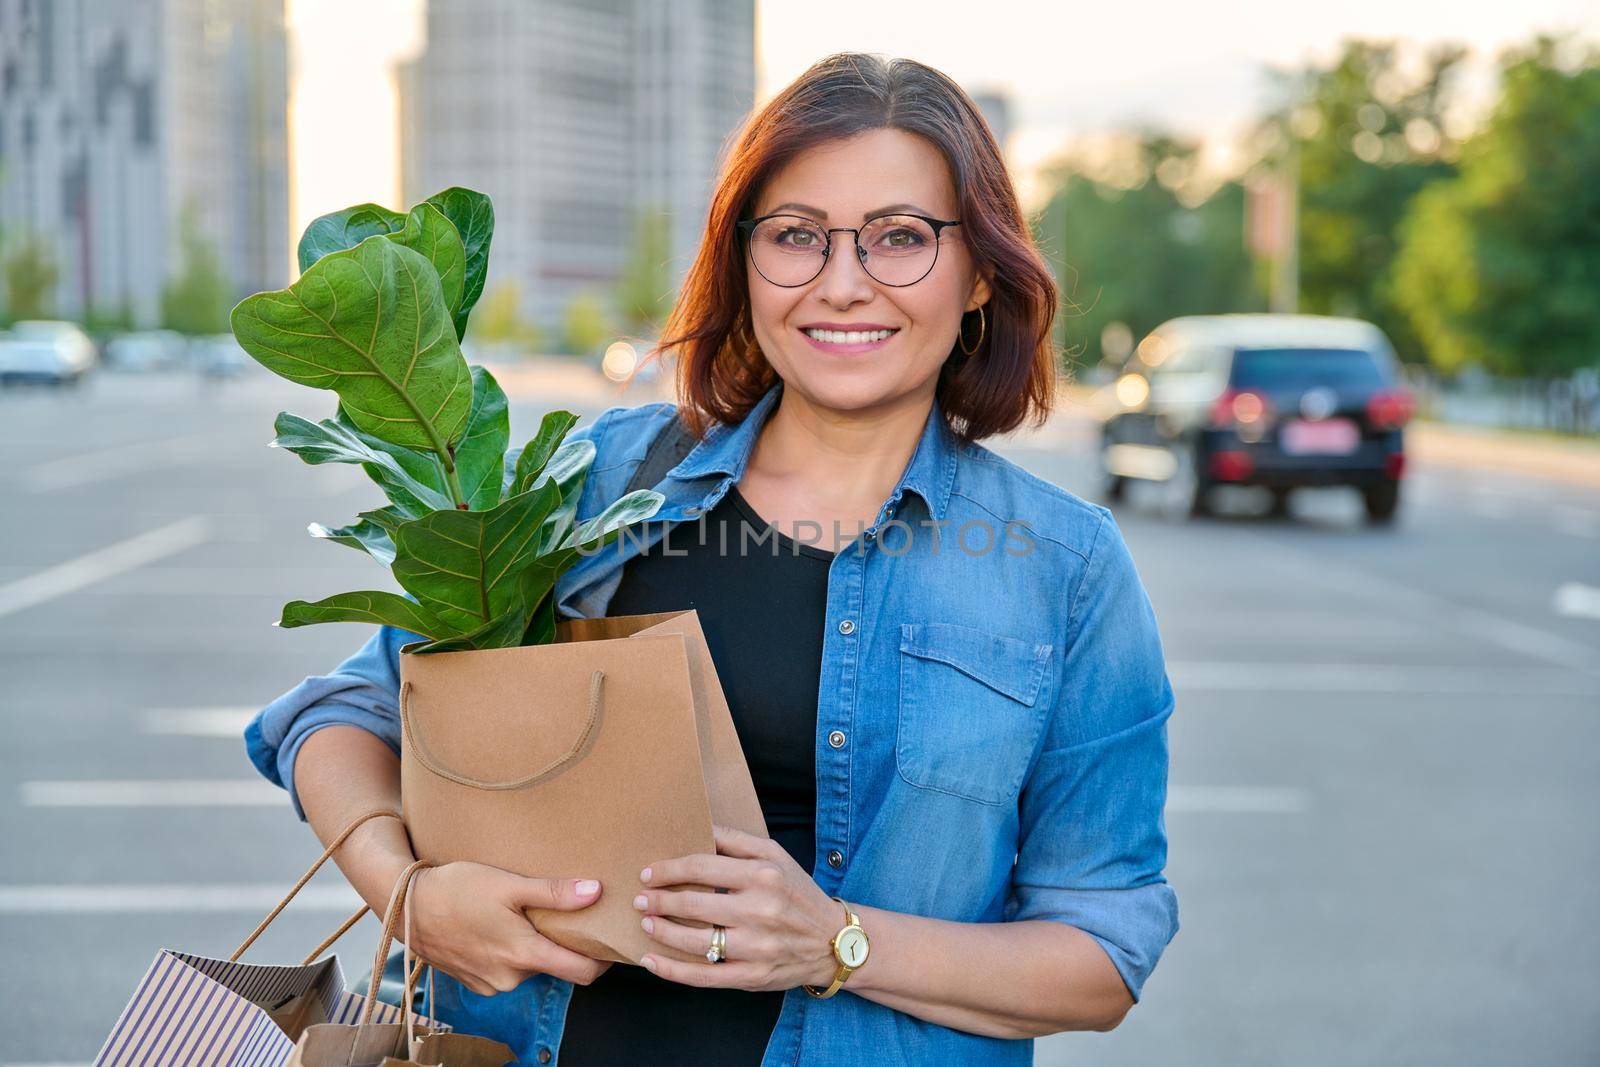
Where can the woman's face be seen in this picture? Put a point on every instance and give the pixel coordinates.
(847, 182)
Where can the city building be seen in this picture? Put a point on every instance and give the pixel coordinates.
(124, 122)
(586, 121)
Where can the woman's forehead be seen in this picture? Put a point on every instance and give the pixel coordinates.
(842, 182)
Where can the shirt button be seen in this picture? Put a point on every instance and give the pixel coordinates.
(544, 1054)
(846, 626)
(835, 858)
(836, 739)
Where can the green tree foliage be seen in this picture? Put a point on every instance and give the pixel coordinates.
(1134, 240)
(499, 319)
(31, 274)
(644, 291)
(586, 326)
(196, 299)
(1368, 137)
(1500, 266)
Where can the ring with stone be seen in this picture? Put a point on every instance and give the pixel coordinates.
(718, 952)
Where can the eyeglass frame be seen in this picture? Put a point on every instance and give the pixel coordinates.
(747, 226)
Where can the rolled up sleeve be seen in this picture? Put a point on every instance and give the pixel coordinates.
(362, 691)
(1092, 834)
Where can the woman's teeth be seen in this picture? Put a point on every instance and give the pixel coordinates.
(852, 337)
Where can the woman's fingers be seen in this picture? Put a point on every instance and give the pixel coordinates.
(724, 872)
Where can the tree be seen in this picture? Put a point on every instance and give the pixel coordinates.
(1500, 266)
(30, 279)
(586, 325)
(1137, 237)
(644, 291)
(196, 299)
(1368, 138)
(498, 319)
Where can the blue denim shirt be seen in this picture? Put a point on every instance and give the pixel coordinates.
(993, 663)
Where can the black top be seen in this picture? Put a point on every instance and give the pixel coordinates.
(761, 598)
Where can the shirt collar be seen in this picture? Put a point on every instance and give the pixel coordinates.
(726, 450)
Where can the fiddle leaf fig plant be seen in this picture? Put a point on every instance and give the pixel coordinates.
(476, 533)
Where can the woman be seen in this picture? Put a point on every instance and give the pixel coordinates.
(948, 678)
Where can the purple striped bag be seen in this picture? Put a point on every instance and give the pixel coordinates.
(191, 1011)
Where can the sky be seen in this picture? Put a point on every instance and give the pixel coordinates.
(1071, 70)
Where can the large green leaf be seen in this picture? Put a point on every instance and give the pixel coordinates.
(536, 453)
(637, 506)
(473, 217)
(432, 235)
(339, 230)
(389, 609)
(371, 533)
(480, 457)
(411, 480)
(464, 564)
(568, 468)
(371, 324)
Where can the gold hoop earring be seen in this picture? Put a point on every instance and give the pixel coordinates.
(983, 327)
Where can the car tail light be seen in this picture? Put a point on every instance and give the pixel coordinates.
(1389, 409)
(1394, 464)
(1231, 466)
(1239, 407)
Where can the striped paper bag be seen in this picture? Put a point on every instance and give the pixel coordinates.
(194, 1011)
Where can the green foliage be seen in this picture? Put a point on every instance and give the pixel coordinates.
(500, 321)
(1500, 266)
(587, 325)
(195, 299)
(1132, 242)
(1367, 137)
(476, 534)
(30, 276)
(644, 291)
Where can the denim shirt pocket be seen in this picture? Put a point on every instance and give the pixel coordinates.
(969, 715)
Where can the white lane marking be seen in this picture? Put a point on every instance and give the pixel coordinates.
(153, 793)
(1227, 677)
(104, 464)
(1578, 522)
(103, 563)
(1497, 629)
(1576, 600)
(1236, 800)
(177, 898)
(197, 722)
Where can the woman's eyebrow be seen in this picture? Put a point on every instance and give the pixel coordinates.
(819, 213)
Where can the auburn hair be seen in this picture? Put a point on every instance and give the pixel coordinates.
(1010, 378)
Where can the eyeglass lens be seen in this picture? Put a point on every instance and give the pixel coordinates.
(790, 250)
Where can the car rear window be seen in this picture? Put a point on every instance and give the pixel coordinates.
(1280, 368)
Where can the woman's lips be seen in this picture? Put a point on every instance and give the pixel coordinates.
(846, 349)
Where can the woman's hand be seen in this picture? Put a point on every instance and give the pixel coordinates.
(467, 920)
(780, 923)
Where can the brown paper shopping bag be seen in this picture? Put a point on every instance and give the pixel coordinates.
(588, 757)
(191, 1009)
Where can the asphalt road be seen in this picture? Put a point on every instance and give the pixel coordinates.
(1386, 753)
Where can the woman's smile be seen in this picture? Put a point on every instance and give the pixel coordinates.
(843, 340)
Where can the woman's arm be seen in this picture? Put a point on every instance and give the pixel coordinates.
(1012, 980)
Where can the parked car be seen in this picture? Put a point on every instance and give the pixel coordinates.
(146, 350)
(218, 355)
(1280, 401)
(45, 351)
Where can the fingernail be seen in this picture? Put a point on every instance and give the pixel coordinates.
(588, 887)
(649, 925)
(639, 901)
(650, 964)
(644, 875)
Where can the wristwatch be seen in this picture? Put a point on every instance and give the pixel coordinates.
(849, 948)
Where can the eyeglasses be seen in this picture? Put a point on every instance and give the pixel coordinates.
(895, 250)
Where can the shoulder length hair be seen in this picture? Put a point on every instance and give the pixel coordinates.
(1010, 378)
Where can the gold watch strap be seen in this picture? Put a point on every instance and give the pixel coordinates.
(851, 919)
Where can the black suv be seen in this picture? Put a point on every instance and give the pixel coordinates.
(1279, 401)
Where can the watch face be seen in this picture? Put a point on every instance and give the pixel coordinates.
(853, 947)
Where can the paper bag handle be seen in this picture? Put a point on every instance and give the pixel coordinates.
(327, 854)
(424, 757)
(391, 916)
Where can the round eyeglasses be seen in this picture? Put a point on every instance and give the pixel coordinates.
(895, 250)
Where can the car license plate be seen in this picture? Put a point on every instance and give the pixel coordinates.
(1338, 437)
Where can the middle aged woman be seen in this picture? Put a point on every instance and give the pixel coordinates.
(945, 672)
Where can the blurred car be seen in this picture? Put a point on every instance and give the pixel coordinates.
(218, 355)
(45, 351)
(146, 350)
(1280, 401)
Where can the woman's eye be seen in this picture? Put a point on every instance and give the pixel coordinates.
(803, 238)
(902, 239)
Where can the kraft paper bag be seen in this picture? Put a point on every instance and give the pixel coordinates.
(589, 757)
